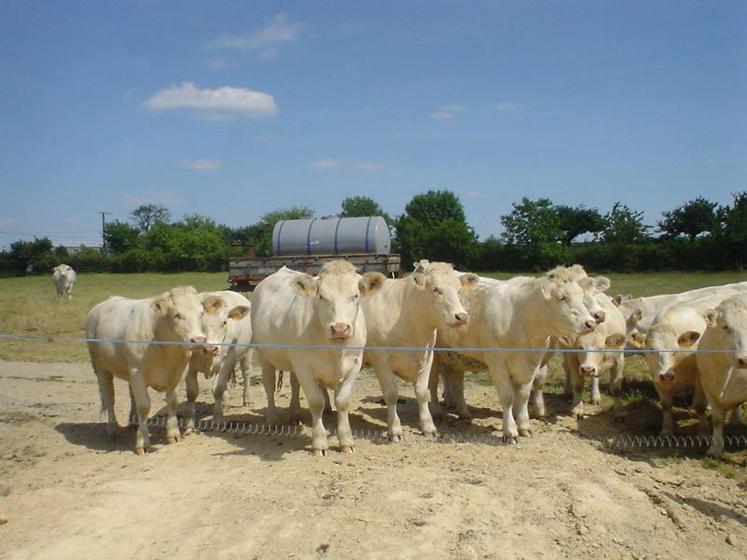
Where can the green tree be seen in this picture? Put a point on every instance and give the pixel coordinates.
(356, 206)
(690, 219)
(624, 226)
(575, 220)
(434, 227)
(733, 232)
(120, 236)
(32, 256)
(146, 215)
(533, 232)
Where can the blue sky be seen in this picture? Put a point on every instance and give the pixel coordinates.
(232, 109)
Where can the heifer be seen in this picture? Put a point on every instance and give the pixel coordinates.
(724, 374)
(229, 325)
(174, 317)
(672, 338)
(63, 278)
(517, 314)
(290, 308)
(595, 353)
(407, 312)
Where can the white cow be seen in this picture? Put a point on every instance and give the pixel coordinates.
(174, 317)
(231, 324)
(407, 312)
(590, 360)
(677, 327)
(640, 312)
(290, 307)
(723, 375)
(517, 314)
(63, 277)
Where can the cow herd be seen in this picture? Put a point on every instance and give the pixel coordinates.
(431, 326)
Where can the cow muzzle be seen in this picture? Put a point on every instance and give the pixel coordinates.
(742, 362)
(667, 376)
(459, 319)
(599, 316)
(587, 371)
(340, 331)
(211, 350)
(198, 342)
(589, 325)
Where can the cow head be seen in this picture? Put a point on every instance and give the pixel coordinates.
(727, 325)
(441, 289)
(337, 292)
(590, 348)
(565, 310)
(180, 312)
(666, 348)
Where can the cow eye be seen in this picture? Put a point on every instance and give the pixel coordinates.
(178, 316)
(355, 297)
(437, 291)
(726, 328)
(321, 297)
(224, 323)
(561, 298)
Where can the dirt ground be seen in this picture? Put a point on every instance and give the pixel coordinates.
(68, 492)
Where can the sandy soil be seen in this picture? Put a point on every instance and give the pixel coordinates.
(67, 492)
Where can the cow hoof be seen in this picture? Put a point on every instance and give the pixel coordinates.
(510, 439)
(139, 451)
(714, 451)
(464, 415)
(320, 452)
(525, 432)
(430, 434)
(172, 439)
(395, 438)
(346, 448)
(295, 420)
(188, 430)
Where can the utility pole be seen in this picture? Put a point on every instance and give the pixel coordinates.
(103, 226)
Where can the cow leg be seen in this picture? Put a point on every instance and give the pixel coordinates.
(389, 388)
(228, 363)
(667, 422)
(699, 404)
(577, 383)
(315, 398)
(142, 402)
(268, 379)
(422, 395)
(455, 381)
(717, 443)
(132, 417)
(343, 399)
(521, 408)
(506, 396)
(736, 416)
(537, 397)
(436, 370)
(596, 396)
(246, 368)
(106, 392)
(172, 423)
(193, 389)
(616, 381)
(568, 370)
(295, 414)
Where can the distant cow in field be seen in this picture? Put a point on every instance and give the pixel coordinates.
(63, 277)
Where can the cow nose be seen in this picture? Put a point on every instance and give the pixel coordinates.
(741, 363)
(590, 324)
(198, 340)
(341, 330)
(211, 350)
(667, 376)
(599, 316)
(588, 371)
(461, 318)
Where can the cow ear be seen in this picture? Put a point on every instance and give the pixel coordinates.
(469, 280)
(546, 286)
(418, 279)
(602, 283)
(161, 307)
(305, 285)
(213, 304)
(370, 282)
(238, 312)
(637, 315)
(687, 339)
(637, 339)
(566, 341)
(587, 284)
(711, 316)
(616, 340)
(617, 300)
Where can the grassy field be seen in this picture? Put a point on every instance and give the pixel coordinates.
(28, 305)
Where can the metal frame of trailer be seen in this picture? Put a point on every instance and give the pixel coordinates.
(244, 273)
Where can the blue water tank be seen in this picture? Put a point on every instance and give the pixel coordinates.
(331, 236)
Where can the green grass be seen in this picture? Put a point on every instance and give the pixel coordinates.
(28, 306)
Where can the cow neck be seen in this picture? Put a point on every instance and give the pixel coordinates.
(412, 296)
(532, 304)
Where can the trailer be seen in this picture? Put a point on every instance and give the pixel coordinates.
(306, 245)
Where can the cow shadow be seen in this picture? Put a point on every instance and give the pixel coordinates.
(710, 509)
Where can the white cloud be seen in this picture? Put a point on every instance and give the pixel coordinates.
(153, 197)
(508, 106)
(281, 29)
(447, 112)
(202, 164)
(220, 63)
(326, 164)
(223, 101)
(368, 166)
(331, 164)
